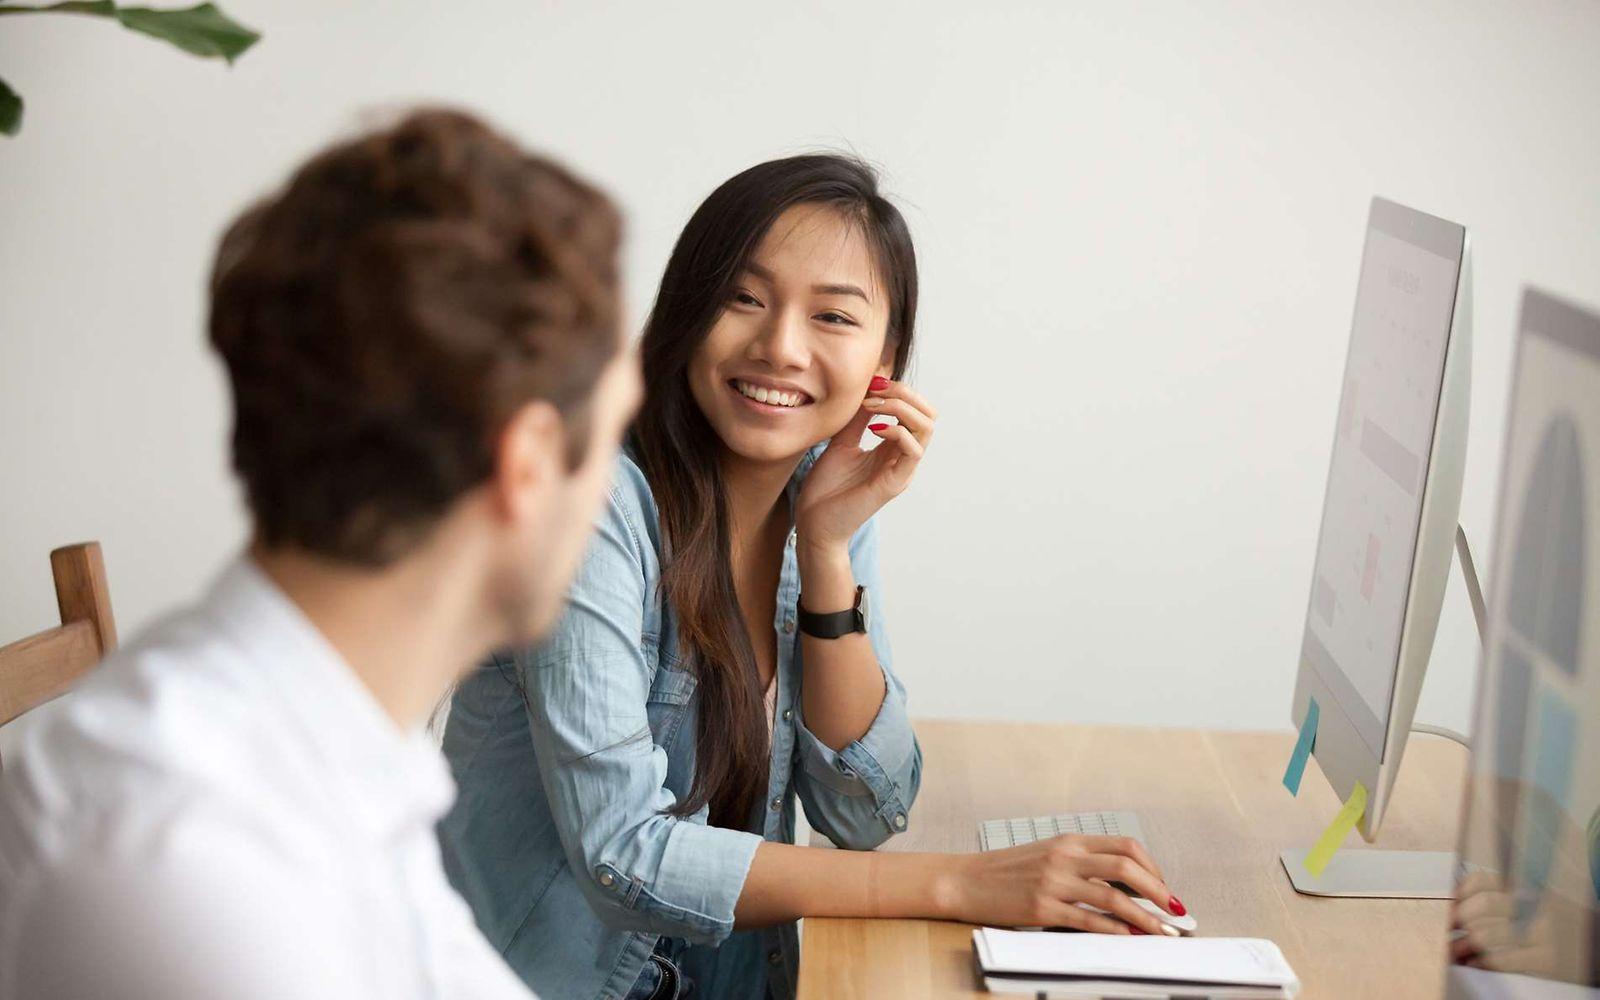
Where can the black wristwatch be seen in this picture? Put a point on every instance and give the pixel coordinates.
(836, 623)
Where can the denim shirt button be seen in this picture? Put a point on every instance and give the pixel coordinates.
(774, 957)
(788, 714)
(788, 626)
(899, 821)
(606, 879)
(776, 803)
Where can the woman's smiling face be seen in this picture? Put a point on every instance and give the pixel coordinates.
(788, 361)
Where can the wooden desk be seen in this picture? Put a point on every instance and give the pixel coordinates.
(1214, 813)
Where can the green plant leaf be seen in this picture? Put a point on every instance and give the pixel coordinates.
(10, 110)
(201, 30)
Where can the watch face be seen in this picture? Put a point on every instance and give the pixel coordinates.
(861, 609)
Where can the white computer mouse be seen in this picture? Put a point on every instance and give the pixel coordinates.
(1184, 925)
(1176, 926)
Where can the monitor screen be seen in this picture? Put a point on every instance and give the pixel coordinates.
(1372, 510)
(1526, 917)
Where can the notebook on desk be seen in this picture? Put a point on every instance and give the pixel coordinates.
(1095, 965)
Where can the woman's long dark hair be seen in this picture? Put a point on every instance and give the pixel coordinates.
(680, 451)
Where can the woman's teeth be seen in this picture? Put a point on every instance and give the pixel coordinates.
(770, 396)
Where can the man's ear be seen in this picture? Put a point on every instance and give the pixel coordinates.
(529, 457)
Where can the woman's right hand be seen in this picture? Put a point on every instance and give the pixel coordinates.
(1039, 885)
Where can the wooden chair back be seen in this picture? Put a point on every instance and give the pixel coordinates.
(43, 666)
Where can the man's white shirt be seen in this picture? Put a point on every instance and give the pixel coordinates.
(223, 810)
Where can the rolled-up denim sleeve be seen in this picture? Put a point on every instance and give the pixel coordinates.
(587, 689)
(861, 795)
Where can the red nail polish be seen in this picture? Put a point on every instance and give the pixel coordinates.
(1176, 906)
(1135, 930)
(878, 383)
(877, 427)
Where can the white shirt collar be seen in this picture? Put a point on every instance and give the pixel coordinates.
(393, 780)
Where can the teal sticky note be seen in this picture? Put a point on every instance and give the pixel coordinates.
(1302, 749)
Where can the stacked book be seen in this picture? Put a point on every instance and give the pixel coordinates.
(1045, 964)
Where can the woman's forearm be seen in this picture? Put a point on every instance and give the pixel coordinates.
(787, 882)
(844, 686)
(1064, 881)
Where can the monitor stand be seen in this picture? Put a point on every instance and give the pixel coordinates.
(1375, 874)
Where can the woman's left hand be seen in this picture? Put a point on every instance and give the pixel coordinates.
(849, 484)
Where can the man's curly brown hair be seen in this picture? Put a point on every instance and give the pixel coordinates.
(384, 315)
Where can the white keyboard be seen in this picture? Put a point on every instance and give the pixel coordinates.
(994, 834)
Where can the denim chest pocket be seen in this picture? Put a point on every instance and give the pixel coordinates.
(671, 693)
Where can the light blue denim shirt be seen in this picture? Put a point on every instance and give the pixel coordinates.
(569, 756)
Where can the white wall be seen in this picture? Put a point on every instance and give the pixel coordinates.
(1139, 228)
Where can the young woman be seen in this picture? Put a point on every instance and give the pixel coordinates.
(626, 811)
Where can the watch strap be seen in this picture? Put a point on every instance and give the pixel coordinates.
(833, 624)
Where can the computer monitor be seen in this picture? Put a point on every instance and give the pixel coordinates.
(1526, 918)
(1388, 524)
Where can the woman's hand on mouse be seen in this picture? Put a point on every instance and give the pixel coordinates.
(1040, 885)
(848, 484)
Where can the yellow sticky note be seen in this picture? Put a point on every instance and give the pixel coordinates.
(1328, 844)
